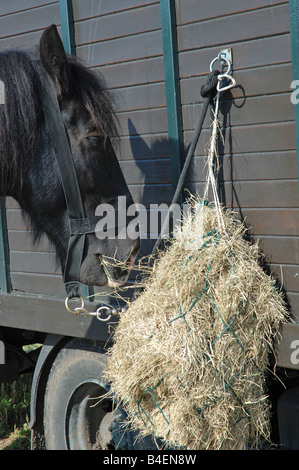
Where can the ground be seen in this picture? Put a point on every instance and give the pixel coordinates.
(19, 439)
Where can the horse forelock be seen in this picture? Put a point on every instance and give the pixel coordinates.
(95, 97)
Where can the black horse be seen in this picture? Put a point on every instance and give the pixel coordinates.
(28, 167)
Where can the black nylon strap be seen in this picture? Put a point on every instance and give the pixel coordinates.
(64, 158)
(60, 142)
(88, 225)
(208, 92)
(82, 226)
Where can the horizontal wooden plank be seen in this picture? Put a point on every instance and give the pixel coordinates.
(23, 241)
(149, 121)
(278, 250)
(8, 7)
(140, 97)
(49, 315)
(133, 73)
(288, 276)
(90, 9)
(242, 140)
(31, 20)
(276, 222)
(189, 11)
(256, 82)
(11, 203)
(293, 300)
(23, 41)
(255, 53)
(120, 50)
(15, 220)
(151, 194)
(284, 222)
(284, 349)
(146, 171)
(136, 146)
(225, 31)
(255, 138)
(242, 167)
(38, 284)
(256, 194)
(240, 112)
(33, 262)
(117, 25)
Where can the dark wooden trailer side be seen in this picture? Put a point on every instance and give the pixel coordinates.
(123, 40)
(157, 90)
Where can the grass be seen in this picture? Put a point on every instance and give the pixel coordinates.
(15, 409)
(14, 413)
(14, 403)
(19, 439)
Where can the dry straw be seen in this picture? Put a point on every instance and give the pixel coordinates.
(190, 355)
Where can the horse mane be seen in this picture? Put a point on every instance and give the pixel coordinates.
(22, 113)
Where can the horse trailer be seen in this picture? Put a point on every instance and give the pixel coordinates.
(155, 57)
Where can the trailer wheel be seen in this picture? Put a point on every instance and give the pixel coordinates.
(77, 415)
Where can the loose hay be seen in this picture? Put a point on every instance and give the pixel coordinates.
(190, 355)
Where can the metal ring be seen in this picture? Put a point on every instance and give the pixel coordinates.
(222, 59)
(99, 313)
(78, 309)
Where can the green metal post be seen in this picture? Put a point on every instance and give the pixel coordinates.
(294, 30)
(67, 26)
(69, 43)
(172, 87)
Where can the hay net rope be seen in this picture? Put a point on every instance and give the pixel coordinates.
(190, 355)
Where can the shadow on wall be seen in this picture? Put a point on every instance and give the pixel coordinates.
(153, 182)
(153, 163)
(230, 197)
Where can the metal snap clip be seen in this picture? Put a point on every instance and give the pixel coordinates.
(99, 313)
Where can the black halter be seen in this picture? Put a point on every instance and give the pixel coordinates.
(79, 224)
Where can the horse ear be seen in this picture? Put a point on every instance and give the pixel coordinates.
(54, 59)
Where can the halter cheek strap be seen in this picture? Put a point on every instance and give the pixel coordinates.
(79, 224)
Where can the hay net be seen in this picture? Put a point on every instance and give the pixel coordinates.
(190, 355)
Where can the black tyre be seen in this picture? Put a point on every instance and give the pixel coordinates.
(77, 415)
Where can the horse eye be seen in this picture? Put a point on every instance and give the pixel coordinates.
(92, 134)
(93, 138)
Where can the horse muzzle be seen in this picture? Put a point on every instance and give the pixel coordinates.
(117, 272)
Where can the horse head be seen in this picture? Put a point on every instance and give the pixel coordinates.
(88, 117)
